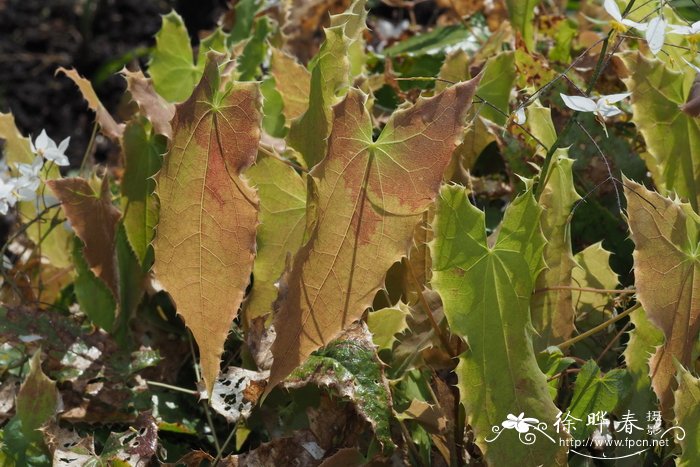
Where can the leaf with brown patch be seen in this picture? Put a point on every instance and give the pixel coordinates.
(369, 196)
(94, 220)
(159, 111)
(205, 241)
(666, 234)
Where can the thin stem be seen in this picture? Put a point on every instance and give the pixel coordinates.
(585, 289)
(568, 371)
(599, 328)
(173, 388)
(428, 312)
(88, 149)
(223, 446)
(612, 342)
(205, 404)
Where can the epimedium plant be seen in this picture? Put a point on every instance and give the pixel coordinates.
(318, 262)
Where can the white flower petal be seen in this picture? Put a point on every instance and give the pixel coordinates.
(64, 145)
(613, 10)
(681, 30)
(579, 103)
(633, 24)
(656, 34)
(520, 117)
(509, 424)
(606, 111)
(613, 98)
(522, 427)
(42, 141)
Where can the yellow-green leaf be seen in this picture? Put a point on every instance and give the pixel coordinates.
(666, 235)
(205, 240)
(143, 151)
(37, 399)
(672, 137)
(687, 410)
(293, 82)
(551, 307)
(486, 296)
(330, 78)
(282, 194)
(369, 196)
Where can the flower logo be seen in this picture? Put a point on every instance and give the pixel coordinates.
(521, 423)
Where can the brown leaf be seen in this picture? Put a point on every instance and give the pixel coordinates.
(205, 241)
(94, 220)
(667, 278)
(369, 197)
(301, 450)
(110, 128)
(236, 392)
(346, 457)
(159, 111)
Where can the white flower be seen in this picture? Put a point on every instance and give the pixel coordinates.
(7, 196)
(621, 24)
(46, 147)
(602, 108)
(691, 30)
(28, 181)
(519, 117)
(656, 34)
(520, 423)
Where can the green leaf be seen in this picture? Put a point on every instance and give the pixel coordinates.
(595, 392)
(254, 51)
(552, 309)
(273, 109)
(522, 17)
(384, 324)
(666, 235)
(643, 340)
(671, 136)
(131, 282)
(496, 86)
(434, 42)
(350, 366)
(687, 408)
(37, 399)
(244, 11)
(485, 293)
(142, 157)
(552, 362)
(172, 66)
(330, 78)
(94, 297)
(282, 194)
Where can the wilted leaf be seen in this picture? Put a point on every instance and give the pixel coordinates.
(159, 111)
(330, 78)
(369, 197)
(667, 277)
(671, 136)
(37, 400)
(236, 392)
(69, 449)
(55, 245)
(552, 310)
(687, 409)
(486, 293)
(351, 368)
(205, 240)
(428, 416)
(282, 195)
(595, 392)
(293, 81)
(94, 220)
(300, 449)
(143, 151)
(110, 128)
(522, 15)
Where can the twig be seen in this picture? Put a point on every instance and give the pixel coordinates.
(599, 328)
(612, 342)
(173, 388)
(585, 289)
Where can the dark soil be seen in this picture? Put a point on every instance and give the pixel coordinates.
(97, 37)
